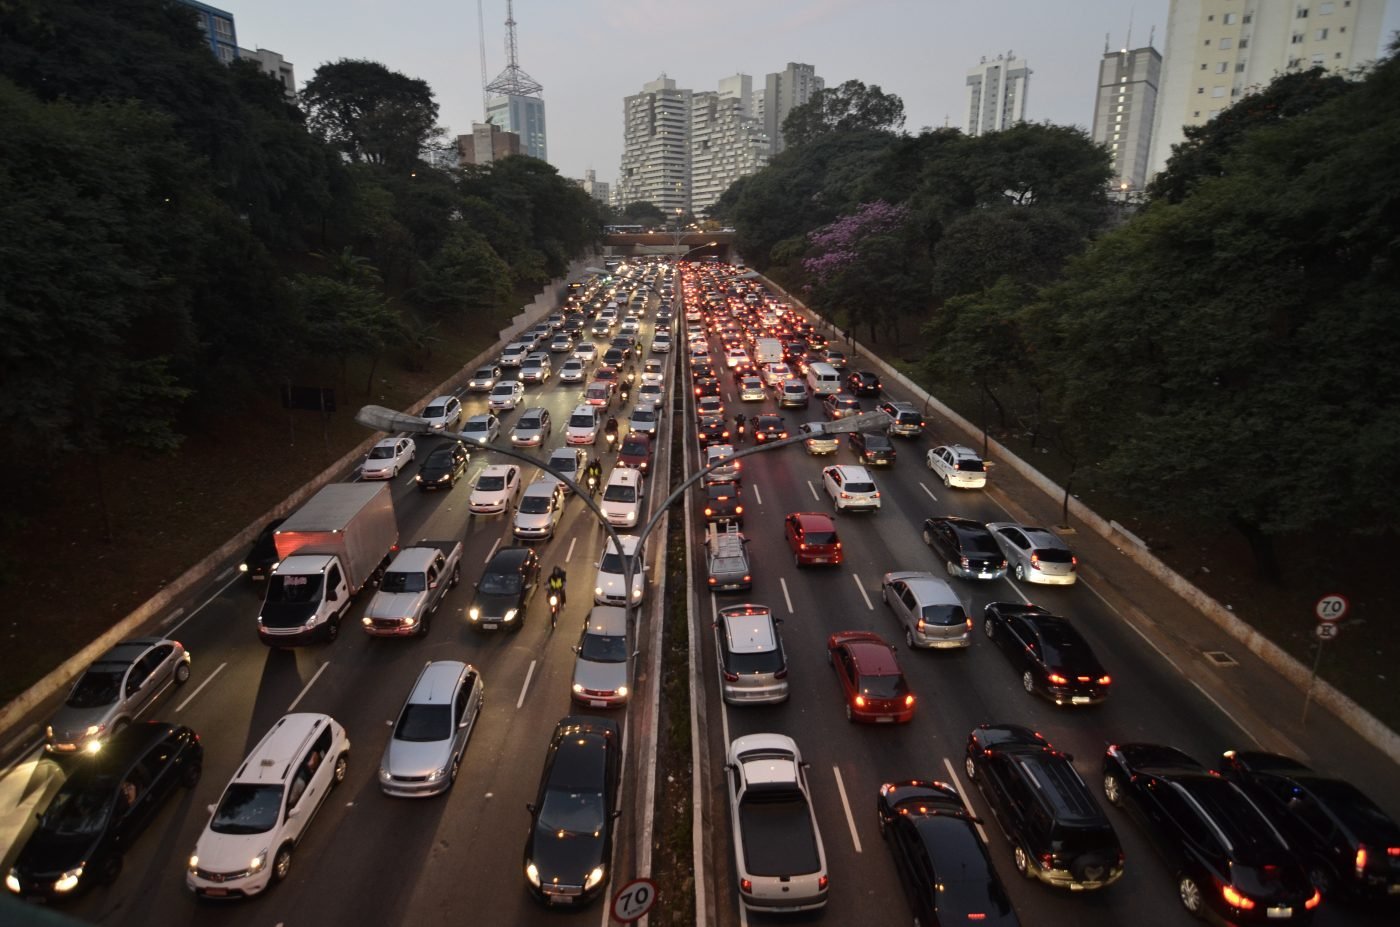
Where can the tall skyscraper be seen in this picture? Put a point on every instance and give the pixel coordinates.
(996, 94)
(726, 141)
(782, 91)
(1123, 112)
(515, 103)
(1219, 50)
(656, 147)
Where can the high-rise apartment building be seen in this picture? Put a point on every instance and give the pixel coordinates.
(1123, 113)
(656, 147)
(996, 94)
(782, 91)
(523, 116)
(726, 141)
(1219, 50)
(217, 26)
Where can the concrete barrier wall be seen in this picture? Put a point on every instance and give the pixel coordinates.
(61, 677)
(1325, 694)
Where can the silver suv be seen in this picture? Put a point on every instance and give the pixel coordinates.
(431, 734)
(928, 608)
(905, 418)
(113, 691)
(752, 665)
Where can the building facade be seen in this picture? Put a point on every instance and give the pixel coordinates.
(782, 91)
(523, 116)
(1124, 109)
(656, 147)
(217, 26)
(726, 141)
(274, 65)
(487, 144)
(1219, 50)
(600, 191)
(996, 94)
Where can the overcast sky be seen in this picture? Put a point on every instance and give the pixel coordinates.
(589, 54)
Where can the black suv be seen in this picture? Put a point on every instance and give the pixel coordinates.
(863, 383)
(1349, 845)
(1228, 860)
(1058, 832)
(723, 503)
(872, 448)
(966, 547)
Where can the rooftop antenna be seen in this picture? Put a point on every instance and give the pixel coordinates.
(481, 37)
(1129, 43)
(513, 81)
(1151, 36)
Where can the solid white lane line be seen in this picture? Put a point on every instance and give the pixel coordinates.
(813, 487)
(1016, 589)
(786, 598)
(317, 676)
(173, 615)
(957, 784)
(492, 552)
(207, 679)
(850, 818)
(861, 587)
(224, 575)
(757, 496)
(929, 491)
(526, 687)
(570, 554)
(219, 592)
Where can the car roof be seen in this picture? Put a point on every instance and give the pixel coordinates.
(545, 486)
(629, 543)
(497, 470)
(608, 620)
(960, 450)
(127, 651)
(873, 657)
(749, 629)
(388, 442)
(412, 559)
(533, 412)
(580, 752)
(927, 588)
(445, 450)
(484, 417)
(508, 559)
(280, 748)
(564, 453)
(442, 400)
(437, 683)
(814, 520)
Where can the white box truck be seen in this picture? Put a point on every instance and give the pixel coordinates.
(328, 550)
(767, 351)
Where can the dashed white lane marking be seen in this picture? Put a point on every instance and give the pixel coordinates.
(570, 554)
(529, 673)
(929, 491)
(307, 689)
(492, 552)
(861, 587)
(812, 486)
(786, 598)
(850, 818)
(757, 496)
(208, 679)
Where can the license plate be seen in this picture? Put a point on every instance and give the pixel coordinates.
(219, 892)
(820, 559)
(489, 626)
(1079, 699)
(561, 899)
(884, 720)
(985, 574)
(1281, 911)
(597, 703)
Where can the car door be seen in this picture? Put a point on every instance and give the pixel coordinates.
(1014, 544)
(790, 529)
(915, 873)
(140, 684)
(905, 606)
(847, 674)
(1019, 643)
(155, 775)
(464, 707)
(436, 588)
(310, 784)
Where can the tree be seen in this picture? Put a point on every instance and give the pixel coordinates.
(851, 107)
(974, 336)
(464, 274)
(864, 266)
(370, 113)
(643, 212)
(345, 319)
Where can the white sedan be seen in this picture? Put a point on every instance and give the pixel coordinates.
(482, 429)
(387, 458)
(505, 395)
(586, 351)
(610, 582)
(496, 488)
(573, 371)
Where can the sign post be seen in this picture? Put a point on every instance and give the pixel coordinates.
(1329, 610)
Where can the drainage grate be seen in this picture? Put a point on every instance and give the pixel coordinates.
(1221, 658)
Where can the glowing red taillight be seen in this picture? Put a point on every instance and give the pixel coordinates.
(1057, 679)
(1314, 901)
(746, 886)
(1236, 899)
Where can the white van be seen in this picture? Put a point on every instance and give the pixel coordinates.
(622, 497)
(823, 380)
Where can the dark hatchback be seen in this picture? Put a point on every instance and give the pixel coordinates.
(571, 819)
(943, 865)
(711, 429)
(443, 467)
(263, 554)
(723, 503)
(1350, 847)
(873, 448)
(863, 383)
(966, 547)
(102, 807)
(1229, 861)
(504, 590)
(769, 428)
(1052, 657)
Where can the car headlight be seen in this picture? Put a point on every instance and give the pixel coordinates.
(193, 863)
(367, 621)
(437, 774)
(257, 862)
(444, 478)
(68, 881)
(597, 590)
(533, 874)
(510, 614)
(474, 613)
(417, 477)
(578, 689)
(594, 877)
(243, 568)
(621, 691)
(310, 622)
(12, 881)
(636, 593)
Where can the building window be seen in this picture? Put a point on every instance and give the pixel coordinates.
(1226, 43)
(1244, 43)
(1200, 90)
(1239, 67)
(1320, 35)
(223, 27)
(1204, 65)
(1207, 42)
(1231, 18)
(1317, 60)
(1297, 38)
(1222, 67)
(1302, 12)
(1248, 18)
(1294, 62)
(1325, 9)
(1217, 91)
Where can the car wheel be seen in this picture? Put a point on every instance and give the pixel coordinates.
(424, 621)
(456, 577)
(1023, 862)
(909, 638)
(182, 673)
(1112, 789)
(1190, 894)
(333, 630)
(928, 538)
(111, 868)
(947, 482)
(342, 765)
(1028, 682)
(989, 628)
(190, 777)
(282, 863)
(456, 765)
(1021, 572)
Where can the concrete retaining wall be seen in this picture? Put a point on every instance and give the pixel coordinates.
(60, 678)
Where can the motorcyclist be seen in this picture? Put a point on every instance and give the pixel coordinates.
(557, 579)
(739, 424)
(595, 476)
(610, 430)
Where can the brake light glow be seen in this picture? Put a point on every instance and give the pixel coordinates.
(969, 624)
(909, 700)
(1314, 901)
(1235, 899)
(1046, 861)
(731, 677)
(746, 886)
(1056, 679)
(1105, 679)
(1361, 857)
(823, 881)
(977, 917)
(781, 674)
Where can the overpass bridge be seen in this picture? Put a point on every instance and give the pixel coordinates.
(698, 244)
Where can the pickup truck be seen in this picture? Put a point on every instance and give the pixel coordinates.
(777, 847)
(727, 558)
(413, 587)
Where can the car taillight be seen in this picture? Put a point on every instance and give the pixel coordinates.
(1056, 679)
(1035, 561)
(845, 495)
(909, 700)
(781, 674)
(712, 581)
(746, 886)
(1235, 899)
(1073, 561)
(963, 561)
(823, 881)
(738, 510)
(731, 677)
(920, 625)
(1314, 901)
(1047, 861)
(1361, 857)
(977, 916)
(969, 624)
(802, 546)
(709, 511)
(1105, 679)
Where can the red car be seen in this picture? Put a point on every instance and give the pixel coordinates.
(870, 678)
(813, 539)
(636, 452)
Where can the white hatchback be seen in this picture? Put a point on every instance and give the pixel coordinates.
(387, 458)
(505, 395)
(584, 424)
(622, 497)
(496, 488)
(609, 584)
(851, 488)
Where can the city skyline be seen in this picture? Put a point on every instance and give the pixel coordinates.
(590, 55)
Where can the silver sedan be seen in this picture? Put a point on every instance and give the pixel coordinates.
(1035, 555)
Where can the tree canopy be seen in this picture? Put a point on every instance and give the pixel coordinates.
(370, 113)
(850, 107)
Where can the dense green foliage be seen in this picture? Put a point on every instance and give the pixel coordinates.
(1190, 356)
(175, 234)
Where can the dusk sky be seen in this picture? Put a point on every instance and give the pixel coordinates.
(590, 54)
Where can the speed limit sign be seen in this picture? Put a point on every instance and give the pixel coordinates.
(634, 900)
(1331, 608)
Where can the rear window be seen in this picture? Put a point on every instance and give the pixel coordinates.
(907, 418)
(969, 466)
(491, 483)
(582, 421)
(768, 661)
(945, 616)
(1054, 555)
(860, 487)
(883, 686)
(820, 537)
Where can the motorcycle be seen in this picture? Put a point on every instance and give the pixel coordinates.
(592, 485)
(553, 610)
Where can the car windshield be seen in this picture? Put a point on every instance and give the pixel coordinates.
(440, 458)
(78, 812)
(424, 723)
(644, 415)
(247, 809)
(567, 464)
(478, 425)
(569, 812)
(294, 589)
(882, 686)
(97, 687)
(944, 615)
(620, 492)
(502, 390)
(603, 648)
(612, 563)
(529, 424)
(485, 373)
(534, 505)
(382, 453)
(398, 581)
(491, 483)
(499, 584)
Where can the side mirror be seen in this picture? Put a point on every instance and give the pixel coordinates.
(212, 808)
(530, 807)
(294, 812)
(637, 652)
(616, 815)
(575, 648)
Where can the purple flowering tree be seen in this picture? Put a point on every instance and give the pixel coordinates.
(863, 267)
